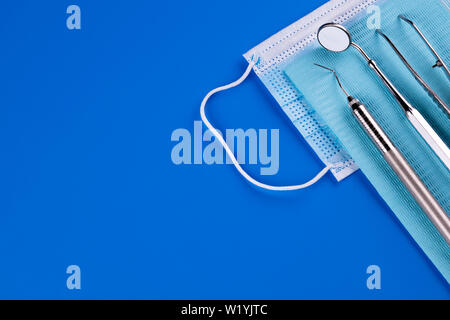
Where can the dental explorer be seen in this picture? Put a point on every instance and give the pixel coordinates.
(419, 79)
(337, 38)
(440, 62)
(399, 164)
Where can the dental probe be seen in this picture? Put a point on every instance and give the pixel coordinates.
(399, 164)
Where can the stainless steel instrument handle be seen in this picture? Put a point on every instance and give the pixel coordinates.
(430, 136)
(420, 193)
(422, 126)
(403, 170)
(406, 106)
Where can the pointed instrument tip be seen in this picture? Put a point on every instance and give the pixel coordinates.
(335, 74)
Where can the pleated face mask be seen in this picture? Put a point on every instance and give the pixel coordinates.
(317, 107)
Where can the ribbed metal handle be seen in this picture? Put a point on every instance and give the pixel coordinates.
(371, 126)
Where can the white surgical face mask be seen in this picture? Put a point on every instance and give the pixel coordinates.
(268, 60)
(285, 54)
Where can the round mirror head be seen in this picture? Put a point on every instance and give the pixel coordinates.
(334, 37)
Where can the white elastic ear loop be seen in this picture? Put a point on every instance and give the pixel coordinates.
(230, 153)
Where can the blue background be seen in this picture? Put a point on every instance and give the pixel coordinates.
(87, 178)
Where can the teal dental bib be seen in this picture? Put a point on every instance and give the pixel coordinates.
(322, 94)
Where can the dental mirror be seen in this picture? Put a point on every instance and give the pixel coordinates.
(334, 37)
